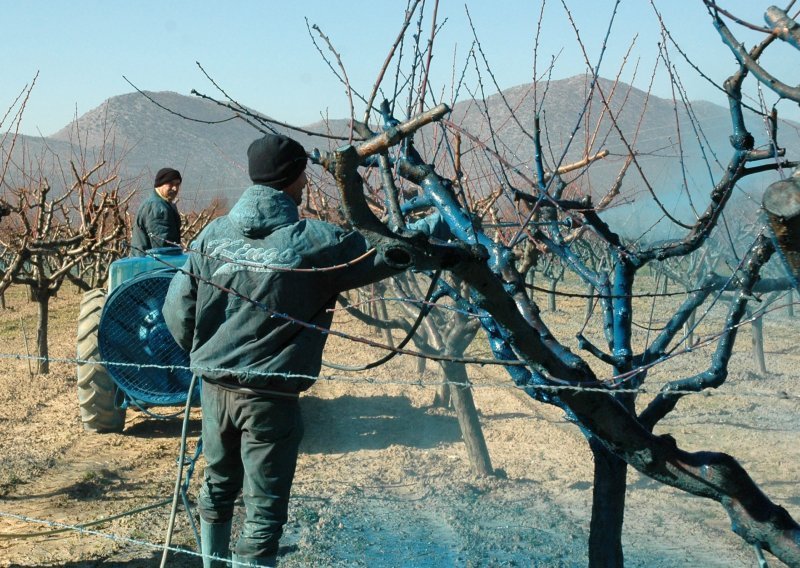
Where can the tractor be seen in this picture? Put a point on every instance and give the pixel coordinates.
(126, 354)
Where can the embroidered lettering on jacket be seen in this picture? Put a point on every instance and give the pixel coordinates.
(238, 255)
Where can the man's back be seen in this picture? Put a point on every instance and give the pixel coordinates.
(258, 303)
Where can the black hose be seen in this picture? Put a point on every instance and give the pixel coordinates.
(424, 311)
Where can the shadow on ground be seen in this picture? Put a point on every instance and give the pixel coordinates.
(350, 423)
(162, 428)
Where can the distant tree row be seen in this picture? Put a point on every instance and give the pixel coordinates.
(65, 219)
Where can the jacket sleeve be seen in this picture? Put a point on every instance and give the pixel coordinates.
(180, 305)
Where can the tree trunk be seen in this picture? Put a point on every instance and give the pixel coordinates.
(551, 297)
(608, 508)
(689, 338)
(789, 308)
(442, 398)
(372, 309)
(589, 301)
(468, 419)
(384, 316)
(422, 362)
(758, 346)
(42, 298)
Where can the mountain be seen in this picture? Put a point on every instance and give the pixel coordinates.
(201, 139)
(661, 132)
(195, 136)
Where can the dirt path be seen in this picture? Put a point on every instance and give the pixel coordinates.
(383, 478)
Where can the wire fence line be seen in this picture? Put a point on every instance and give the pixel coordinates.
(417, 382)
(478, 314)
(83, 530)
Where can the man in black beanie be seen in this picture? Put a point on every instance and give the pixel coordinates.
(253, 356)
(158, 223)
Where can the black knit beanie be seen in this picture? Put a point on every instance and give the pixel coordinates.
(166, 175)
(275, 160)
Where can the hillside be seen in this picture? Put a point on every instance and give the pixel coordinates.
(209, 153)
(203, 140)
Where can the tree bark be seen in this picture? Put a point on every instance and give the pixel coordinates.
(42, 298)
(608, 508)
(690, 329)
(758, 346)
(442, 398)
(589, 302)
(384, 315)
(712, 475)
(467, 415)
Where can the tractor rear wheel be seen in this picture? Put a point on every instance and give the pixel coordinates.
(97, 392)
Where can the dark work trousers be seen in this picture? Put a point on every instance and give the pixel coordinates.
(250, 443)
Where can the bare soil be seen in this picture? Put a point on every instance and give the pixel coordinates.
(383, 478)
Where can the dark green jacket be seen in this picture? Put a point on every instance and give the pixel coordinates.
(223, 310)
(158, 224)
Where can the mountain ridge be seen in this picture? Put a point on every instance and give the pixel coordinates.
(208, 144)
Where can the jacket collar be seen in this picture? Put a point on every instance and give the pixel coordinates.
(261, 210)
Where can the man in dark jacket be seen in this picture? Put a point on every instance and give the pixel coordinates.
(158, 223)
(236, 307)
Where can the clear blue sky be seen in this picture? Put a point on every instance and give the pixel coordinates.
(261, 53)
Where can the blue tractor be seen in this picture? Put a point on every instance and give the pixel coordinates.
(126, 355)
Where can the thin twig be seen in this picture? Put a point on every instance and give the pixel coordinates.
(409, 13)
(346, 80)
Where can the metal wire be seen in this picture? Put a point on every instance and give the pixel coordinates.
(418, 382)
(82, 530)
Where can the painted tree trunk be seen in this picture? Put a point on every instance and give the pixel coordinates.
(608, 508)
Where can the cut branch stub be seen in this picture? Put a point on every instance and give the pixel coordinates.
(394, 134)
(783, 26)
(782, 205)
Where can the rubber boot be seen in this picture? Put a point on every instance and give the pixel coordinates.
(247, 561)
(215, 540)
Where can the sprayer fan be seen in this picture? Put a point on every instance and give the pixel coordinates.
(138, 349)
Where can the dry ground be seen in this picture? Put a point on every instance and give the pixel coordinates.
(383, 478)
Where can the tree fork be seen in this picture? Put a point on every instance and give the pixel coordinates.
(713, 475)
